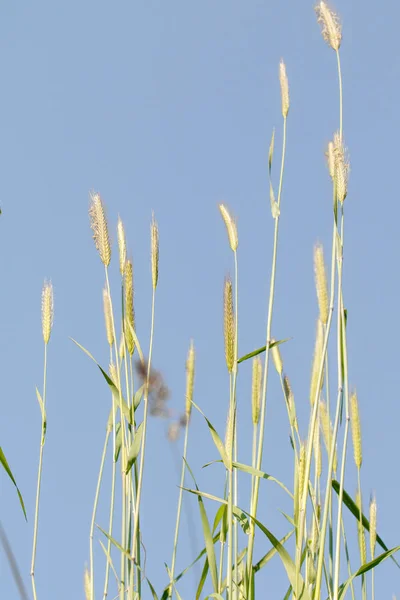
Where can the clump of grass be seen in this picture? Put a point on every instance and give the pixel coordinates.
(315, 562)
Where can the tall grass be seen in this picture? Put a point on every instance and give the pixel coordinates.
(315, 552)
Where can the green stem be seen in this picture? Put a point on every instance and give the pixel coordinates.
(135, 540)
(39, 477)
(178, 514)
(96, 500)
(255, 491)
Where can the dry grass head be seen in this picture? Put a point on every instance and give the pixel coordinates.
(87, 584)
(229, 325)
(321, 283)
(128, 306)
(108, 316)
(372, 526)
(230, 227)
(331, 27)
(99, 225)
(319, 343)
(327, 432)
(155, 251)
(356, 429)
(256, 390)
(283, 80)
(121, 245)
(341, 168)
(190, 364)
(47, 310)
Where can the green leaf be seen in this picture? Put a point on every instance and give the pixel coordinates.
(203, 578)
(365, 568)
(43, 413)
(267, 557)
(262, 349)
(353, 508)
(153, 592)
(115, 543)
(118, 397)
(257, 473)
(135, 448)
(118, 440)
(217, 440)
(7, 469)
(209, 544)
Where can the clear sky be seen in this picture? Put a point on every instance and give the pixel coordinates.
(169, 106)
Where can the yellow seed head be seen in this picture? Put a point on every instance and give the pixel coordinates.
(230, 227)
(112, 369)
(229, 433)
(320, 283)
(284, 89)
(121, 245)
(302, 469)
(317, 453)
(229, 325)
(256, 390)
(122, 346)
(290, 402)
(315, 531)
(276, 357)
(87, 584)
(330, 159)
(372, 526)
(99, 225)
(108, 316)
(190, 363)
(154, 252)
(319, 345)
(327, 431)
(342, 168)
(47, 310)
(356, 429)
(129, 310)
(361, 532)
(331, 27)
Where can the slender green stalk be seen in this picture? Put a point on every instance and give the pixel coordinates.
(96, 501)
(39, 477)
(178, 513)
(340, 95)
(135, 539)
(255, 491)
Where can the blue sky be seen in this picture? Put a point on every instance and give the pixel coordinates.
(169, 106)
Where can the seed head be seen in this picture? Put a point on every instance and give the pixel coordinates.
(331, 27)
(108, 316)
(121, 245)
(284, 89)
(229, 325)
(47, 310)
(154, 252)
(320, 283)
(256, 390)
(356, 429)
(129, 310)
(342, 168)
(99, 225)
(190, 363)
(319, 344)
(87, 584)
(230, 227)
(330, 159)
(372, 526)
(361, 532)
(327, 431)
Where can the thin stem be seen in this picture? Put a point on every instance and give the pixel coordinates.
(340, 95)
(39, 477)
(255, 491)
(96, 500)
(135, 541)
(178, 513)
